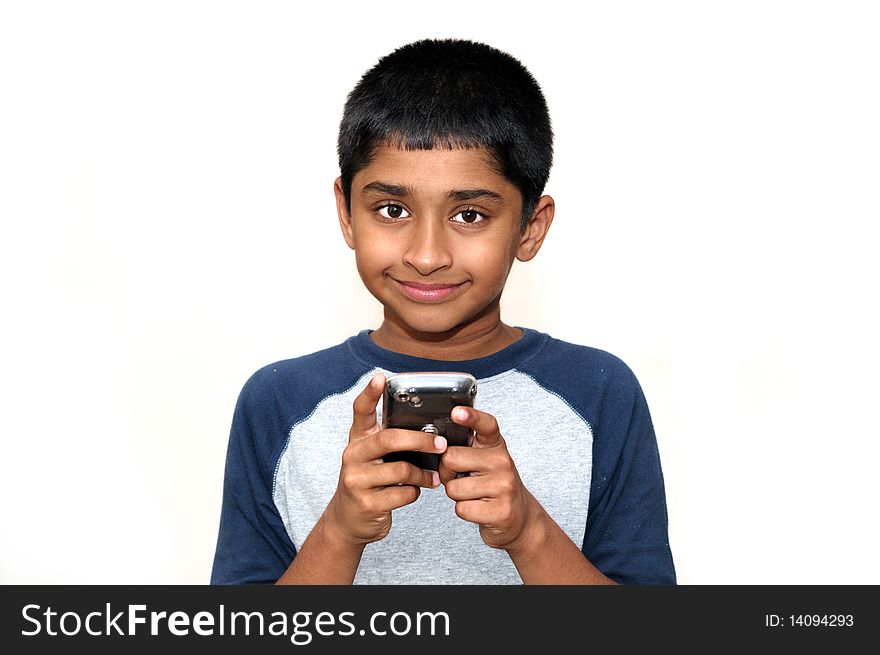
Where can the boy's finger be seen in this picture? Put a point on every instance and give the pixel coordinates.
(446, 473)
(450, 468)
(461, 460)
(487, 433)
(395, 440)
(470, 487)
(394, 497)
(365, 407)
(396, 473)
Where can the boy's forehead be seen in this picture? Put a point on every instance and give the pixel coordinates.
(432, 170)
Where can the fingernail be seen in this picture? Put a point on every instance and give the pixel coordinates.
(440, 443)
(435, 479)
(460, 414)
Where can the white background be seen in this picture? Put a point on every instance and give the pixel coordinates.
(169, 226)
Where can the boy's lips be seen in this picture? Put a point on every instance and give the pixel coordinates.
(428, 292)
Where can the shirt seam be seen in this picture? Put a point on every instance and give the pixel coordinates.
(303, 420)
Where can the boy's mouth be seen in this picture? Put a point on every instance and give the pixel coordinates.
(428, 292)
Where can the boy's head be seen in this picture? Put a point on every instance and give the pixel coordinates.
(444, 149)
(447, 94)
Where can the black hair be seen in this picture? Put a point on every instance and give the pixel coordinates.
(446, 94)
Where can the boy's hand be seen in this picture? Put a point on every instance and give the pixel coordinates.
(493, 495)
(368, 488)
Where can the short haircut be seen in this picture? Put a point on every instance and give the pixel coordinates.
(447, 94)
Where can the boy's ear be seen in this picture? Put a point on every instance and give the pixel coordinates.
(344, 217)
(533, 237)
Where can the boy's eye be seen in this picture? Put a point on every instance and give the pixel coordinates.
(394, 210)
(471, 216)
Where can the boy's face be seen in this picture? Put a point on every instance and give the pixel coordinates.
(422, 232)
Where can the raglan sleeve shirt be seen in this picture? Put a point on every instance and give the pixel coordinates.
(625, 529)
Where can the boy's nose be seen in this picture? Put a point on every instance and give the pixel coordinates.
(428, 249)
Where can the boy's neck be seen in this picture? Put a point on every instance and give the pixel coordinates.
(471, 342)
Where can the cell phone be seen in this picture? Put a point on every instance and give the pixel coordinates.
(424, 401)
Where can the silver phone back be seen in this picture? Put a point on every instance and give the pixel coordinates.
(424, 401)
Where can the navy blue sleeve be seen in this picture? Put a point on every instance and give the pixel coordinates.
(253, 546)
(627, 525)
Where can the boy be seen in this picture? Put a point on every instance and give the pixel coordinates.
(444, 149)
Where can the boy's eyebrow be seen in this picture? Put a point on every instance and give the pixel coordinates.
(403, 191)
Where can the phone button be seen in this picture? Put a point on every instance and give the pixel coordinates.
(430, 428)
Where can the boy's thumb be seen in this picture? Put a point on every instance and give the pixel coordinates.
(365, 404)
